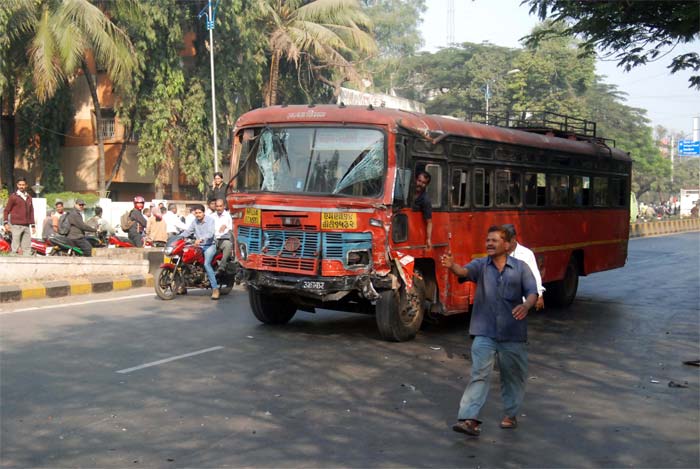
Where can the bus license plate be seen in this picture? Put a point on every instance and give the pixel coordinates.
(313, 285)
(338, 221)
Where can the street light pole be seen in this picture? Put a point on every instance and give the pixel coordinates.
(488, 90)
(211, 19)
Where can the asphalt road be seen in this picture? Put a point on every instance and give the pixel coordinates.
(324, 391)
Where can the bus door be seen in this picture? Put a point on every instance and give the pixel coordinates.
(455, 295)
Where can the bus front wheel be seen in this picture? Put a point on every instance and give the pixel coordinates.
(270, 309)
(563, 292)
(399, 313)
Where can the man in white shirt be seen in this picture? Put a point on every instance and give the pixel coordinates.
(173, 223)
(522, 253)
(223, 225)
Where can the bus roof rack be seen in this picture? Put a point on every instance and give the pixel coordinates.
(544, 123)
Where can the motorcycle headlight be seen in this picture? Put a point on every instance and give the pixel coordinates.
(243, 251)
(168, 251)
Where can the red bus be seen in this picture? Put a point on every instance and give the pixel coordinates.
(321, 198)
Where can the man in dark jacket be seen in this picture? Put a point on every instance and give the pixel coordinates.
(136, 230)
(19, 218)
(78, 228)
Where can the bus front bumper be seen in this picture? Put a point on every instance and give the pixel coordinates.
(321, 288)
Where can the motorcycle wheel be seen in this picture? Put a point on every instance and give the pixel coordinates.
(165, 283)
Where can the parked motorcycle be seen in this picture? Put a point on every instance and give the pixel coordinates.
(183, 267)
(63, 246)
(5, 240)
(41, 248)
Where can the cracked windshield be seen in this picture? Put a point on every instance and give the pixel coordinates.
(329, 161)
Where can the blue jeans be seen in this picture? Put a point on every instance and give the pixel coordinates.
(512, 361)
(209, 253)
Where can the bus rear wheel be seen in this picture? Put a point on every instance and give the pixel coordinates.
(563, 292)
(399, 313)
(270, 309)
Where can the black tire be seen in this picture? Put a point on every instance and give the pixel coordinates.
(271, 309)
(563, 292)
(165, 283)
(399, 314)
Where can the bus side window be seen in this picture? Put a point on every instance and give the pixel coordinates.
(459, 188)
(600, 191)
(508, 189)
(535, 189)
(558, 190)
(435, 186)
(581, 191)
(482, 187)
(617, 192)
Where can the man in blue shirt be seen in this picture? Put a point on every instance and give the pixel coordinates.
(499, 328)
(203, 229)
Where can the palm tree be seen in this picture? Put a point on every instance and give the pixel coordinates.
(60, 37)
(329, 32)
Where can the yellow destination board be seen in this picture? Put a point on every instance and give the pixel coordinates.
(338, 221)
(252, 216)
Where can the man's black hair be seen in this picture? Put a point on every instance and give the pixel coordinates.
(219, 173)
(21, 179)
(98, 211)
(503, 230)
(198, 207)
(425, 174)
(510, 228)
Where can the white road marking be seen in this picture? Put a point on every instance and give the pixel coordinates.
(78, 303)
(166, 360)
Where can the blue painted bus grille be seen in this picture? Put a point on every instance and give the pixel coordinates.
(332, 246)
(305, 258)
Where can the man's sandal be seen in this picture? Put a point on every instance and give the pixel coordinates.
(470, 427)
(509, 422)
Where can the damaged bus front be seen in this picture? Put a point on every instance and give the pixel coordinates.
(311, 202)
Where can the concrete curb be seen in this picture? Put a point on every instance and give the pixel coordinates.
(59, 288)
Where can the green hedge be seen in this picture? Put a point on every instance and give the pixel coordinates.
(68, 198)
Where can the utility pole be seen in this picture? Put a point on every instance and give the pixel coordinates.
(673, 144)
(211, 20)
(450, 22)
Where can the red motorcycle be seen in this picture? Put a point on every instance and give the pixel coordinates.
(183, 267)
(5, 240)
(41, 247)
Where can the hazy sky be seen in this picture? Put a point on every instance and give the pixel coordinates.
(667, 98)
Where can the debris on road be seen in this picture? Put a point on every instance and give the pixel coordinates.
(673, 384)
(409, 386)
(435, 348)
(692, 362)
(655, 381)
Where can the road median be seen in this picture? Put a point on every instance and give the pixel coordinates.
(74, 286)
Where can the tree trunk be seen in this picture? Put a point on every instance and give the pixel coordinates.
(92, 85)
(7, 150)
(274, 78)
(128, 135)
(175, 189)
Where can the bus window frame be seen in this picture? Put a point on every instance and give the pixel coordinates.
(509, 177)
(484, 170)
(464, 173)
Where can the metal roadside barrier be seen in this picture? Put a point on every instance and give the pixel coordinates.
(658, 228)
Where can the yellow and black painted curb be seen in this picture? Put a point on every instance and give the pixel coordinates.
(59, 288)
(659, 228)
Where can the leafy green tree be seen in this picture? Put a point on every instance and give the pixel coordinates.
(327, 34)
(59, 37)
(632, 32)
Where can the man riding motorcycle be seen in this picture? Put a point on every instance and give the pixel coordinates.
(223, 228)
(203, 230)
